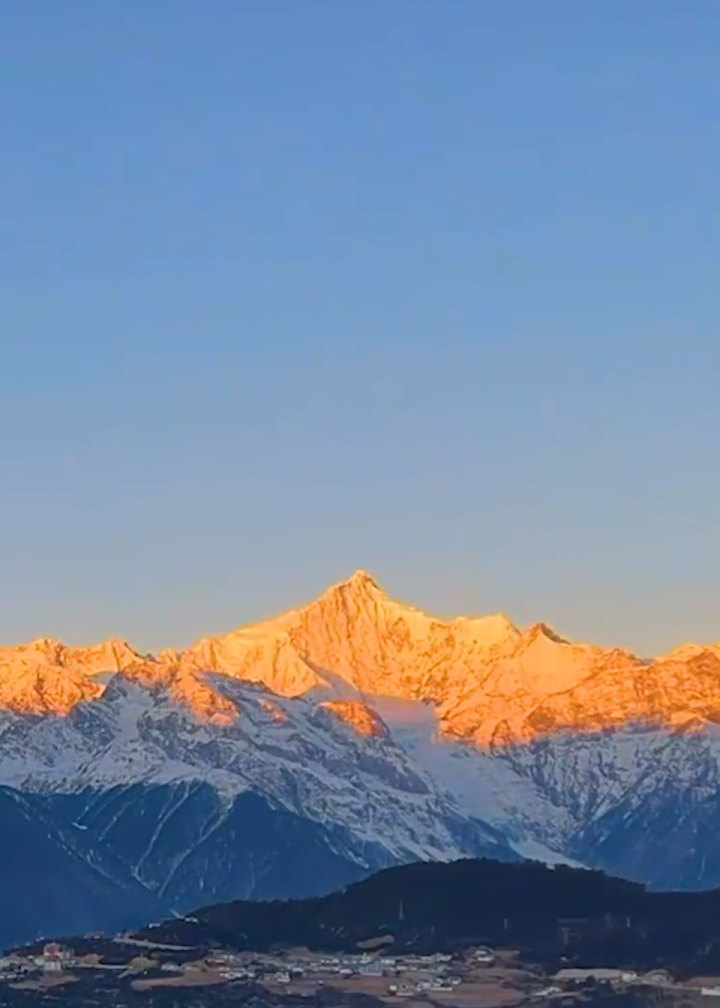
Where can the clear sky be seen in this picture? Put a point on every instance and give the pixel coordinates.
(428, 287)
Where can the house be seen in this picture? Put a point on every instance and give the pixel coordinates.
(53, 957)
(657, 978)
(56, 951)
(370, 970)
(597, 973)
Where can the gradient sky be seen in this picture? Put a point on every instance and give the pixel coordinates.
(427, 287)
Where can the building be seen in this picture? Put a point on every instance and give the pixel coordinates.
(597, 973)
(657, 978)
(54, 957)
(370, 970)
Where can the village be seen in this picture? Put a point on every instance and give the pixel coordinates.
(397, 976)
(480, 977)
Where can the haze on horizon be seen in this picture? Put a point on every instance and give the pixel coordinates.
(420, 288)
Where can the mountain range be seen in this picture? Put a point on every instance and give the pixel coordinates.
(354, 733)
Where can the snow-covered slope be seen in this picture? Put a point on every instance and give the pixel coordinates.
(642, 802)
(304, 757)
(370, 733)
(176, 788)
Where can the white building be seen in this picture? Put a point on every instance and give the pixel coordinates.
(370, 970)
(599, 973)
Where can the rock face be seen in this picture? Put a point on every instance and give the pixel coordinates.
(490, 682)
(363, 719)
(49, 677)
(354, 640)
(349, 734)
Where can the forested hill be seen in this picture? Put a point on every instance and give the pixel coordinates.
(551, 913)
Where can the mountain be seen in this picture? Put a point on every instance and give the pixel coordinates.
(354, 733)
(49, 677)
(49, 887)
(355, 638)
(177, 788)
(491, 682)
(301, 756)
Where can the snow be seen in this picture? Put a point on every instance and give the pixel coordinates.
(540, 738)
(534, 851)
(481, 784)
(309, 762)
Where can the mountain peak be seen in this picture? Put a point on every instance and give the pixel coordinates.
(46, 645)
(361, 582)
(362, 577)
(542, 630)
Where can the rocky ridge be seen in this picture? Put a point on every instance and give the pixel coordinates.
(489, 681)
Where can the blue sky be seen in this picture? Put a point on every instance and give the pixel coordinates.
(424, 287)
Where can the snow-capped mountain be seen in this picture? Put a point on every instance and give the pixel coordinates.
(292, 756)
(301, 756)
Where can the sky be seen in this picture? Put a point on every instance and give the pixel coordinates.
(424, 287)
